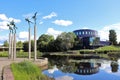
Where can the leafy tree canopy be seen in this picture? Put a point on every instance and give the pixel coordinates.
(6, 44)
(112, 37)
(44, 41)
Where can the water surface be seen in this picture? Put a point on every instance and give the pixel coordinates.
(107, 70)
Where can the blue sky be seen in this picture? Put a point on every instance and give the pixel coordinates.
(56, 16)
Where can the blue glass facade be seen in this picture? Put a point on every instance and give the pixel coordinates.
(89, 38)
(86, 33)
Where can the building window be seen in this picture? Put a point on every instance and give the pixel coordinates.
(83, 32)
(79, 33)
(89, 32)
(76, 33)
(86, 32)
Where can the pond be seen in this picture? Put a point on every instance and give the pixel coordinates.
(86, 69)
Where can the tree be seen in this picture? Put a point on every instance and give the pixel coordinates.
(65, 41)
(19, 44)
(6, 44)
(43, 42)
(114, 66)
(26, 46)
(112, 37)
(78, 43)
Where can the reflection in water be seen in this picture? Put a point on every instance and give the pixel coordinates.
(114, 66)
(82, 69)
(87, 68)
(68, 68)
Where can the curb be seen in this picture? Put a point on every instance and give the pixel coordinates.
(7, 73)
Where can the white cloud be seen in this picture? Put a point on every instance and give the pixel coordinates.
(51, 15)
(3, 25)
(23, 36)
(63, 22)
(3, 17)
(41, 22)
(53, 32)
(85, 28)
(4, 20)
(104, 32)
(15, 20)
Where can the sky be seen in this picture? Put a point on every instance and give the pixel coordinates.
(57, 16)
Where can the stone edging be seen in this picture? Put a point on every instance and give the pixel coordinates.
(7, 73)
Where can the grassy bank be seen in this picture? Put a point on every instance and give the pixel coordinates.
(4, 54)
(27, 71)
(20, 54)
(107, 49)
(103, 52)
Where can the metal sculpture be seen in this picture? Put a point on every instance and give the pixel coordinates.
(27, 19)
(35, 42)
(12, 40)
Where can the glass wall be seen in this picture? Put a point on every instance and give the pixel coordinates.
(94, 40)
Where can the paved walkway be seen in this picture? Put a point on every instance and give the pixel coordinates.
(5, 61)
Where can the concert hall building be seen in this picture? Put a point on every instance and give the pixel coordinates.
(89, 38)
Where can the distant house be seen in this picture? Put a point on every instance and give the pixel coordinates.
(89, 38)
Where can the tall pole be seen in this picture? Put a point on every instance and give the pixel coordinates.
(29, 42)
(12, 40)
(14, 55)
(29, 36)
(35, 42)
(9, 56)
(12, 43)
(12, 23)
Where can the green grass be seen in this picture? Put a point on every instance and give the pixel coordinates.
(4, 54)
(20, 54)
(108, 48)
(27, 71)
(86, 51)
